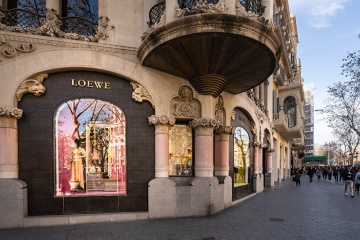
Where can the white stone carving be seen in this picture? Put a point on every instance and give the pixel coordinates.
(184, 105)
(204, 122)
(11, 112)
(163, 120)
(34, 86)
(51, 27)
(219, 110)
(201, 7)
(9, 50)
(141, 94)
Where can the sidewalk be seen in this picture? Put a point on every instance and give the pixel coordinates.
(316, 210)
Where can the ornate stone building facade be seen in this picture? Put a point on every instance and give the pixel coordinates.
(139, 109)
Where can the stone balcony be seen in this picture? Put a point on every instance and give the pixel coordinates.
(219, 45)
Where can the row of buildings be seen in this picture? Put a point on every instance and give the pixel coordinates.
(170, 108)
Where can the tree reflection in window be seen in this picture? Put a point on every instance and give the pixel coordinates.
(241, 156)
(87, 9)
(180, 151)
(90, 148)
(290, 111)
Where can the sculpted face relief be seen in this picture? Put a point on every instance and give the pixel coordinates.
(90, 84)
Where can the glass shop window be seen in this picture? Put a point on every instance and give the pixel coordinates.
(241, 157)
(180, 151)
(90, 148)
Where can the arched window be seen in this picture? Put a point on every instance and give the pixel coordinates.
(241, 156)
(90, 148)
(290, 111)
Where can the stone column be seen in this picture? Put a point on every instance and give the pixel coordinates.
(257, 157)
(9, 165)
(204, 137)
(269, 179)
(53, 4)
(230, 6)
(162, 124)
(257, 92)
(268, 14)
(262, 95)
(170, 10)
(222, 150)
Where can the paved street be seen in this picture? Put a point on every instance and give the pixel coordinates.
(316, 210)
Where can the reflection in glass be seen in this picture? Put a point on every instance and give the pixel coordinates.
(180, 151)
(290, 111)
(241, 156)
(90, 148)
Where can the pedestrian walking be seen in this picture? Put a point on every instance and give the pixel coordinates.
(318, 173)
(357, 180)
(329, 172)
(349, 180)
(336, 174)
(297, 178)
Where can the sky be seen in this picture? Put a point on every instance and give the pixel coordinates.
(327, 31)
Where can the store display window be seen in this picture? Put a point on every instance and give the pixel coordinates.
(90, 143)
(241, 157)
(180, 151)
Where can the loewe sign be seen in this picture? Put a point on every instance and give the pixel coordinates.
(90, 84)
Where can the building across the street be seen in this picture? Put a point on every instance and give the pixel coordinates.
(173, 108)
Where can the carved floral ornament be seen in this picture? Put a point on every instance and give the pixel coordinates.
(163, 120)
(205, 122)
(34, 86)
(201, 7)
(11, 112)
(141, 94)
(225, 129)
(10, 50)
(50, 26)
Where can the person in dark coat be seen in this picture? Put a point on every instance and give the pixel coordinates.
(297, 178)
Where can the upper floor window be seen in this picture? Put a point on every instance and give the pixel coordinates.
(87, 9)
(89, 148)
(290, 111)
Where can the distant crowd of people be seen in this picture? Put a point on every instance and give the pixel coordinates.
(349, 175)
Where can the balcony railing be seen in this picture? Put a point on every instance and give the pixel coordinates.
(254, 6)
(155, 13)
(157, 10)
(25, 19)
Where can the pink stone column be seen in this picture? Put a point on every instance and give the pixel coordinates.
(162, 125)
(257, 156)
(269, 160)
(222, 150)
(204, 146)
(9, 165)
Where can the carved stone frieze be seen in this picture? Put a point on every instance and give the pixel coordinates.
(61, 43)
(205, 122)
(11, 112)
(162, 120)
(50, 26)
(141, 94)
(34, 86)
(201, 7)
(10, 50)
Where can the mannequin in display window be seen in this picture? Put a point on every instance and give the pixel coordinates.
(77, 167)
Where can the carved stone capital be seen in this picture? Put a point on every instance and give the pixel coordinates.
(270, 150)
(11, 112)
(161, 120)
(34, 86)
(141, 94)
(225, 129)
(205, 123)
(257, 144)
